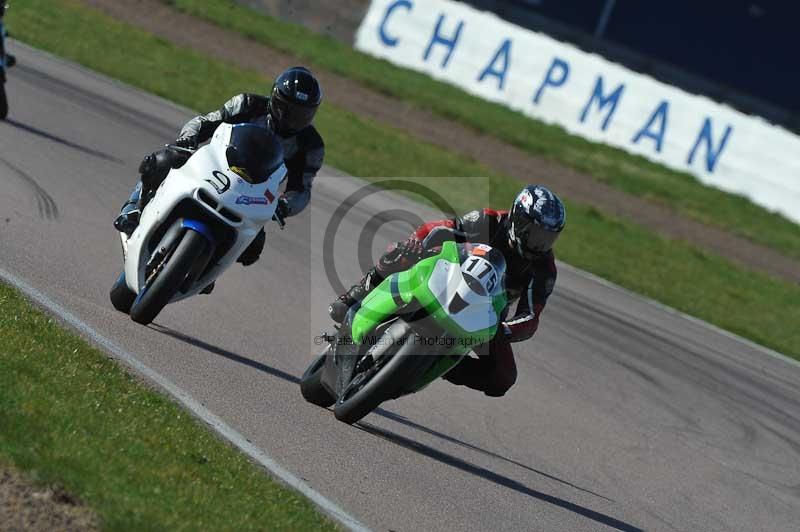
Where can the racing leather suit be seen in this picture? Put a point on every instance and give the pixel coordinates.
(529, 283)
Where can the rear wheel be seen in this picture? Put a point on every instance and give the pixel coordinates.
(122, 297)
(169, 276)
(311, 384)
(386, 380)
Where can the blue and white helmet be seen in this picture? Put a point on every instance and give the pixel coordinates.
(536, 218)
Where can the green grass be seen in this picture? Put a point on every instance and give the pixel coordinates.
(70, 416)
(711, 288)
(630, 173)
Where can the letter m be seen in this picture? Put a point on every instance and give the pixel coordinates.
(603, 101)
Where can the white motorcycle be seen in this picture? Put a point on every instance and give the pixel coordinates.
(202, 217)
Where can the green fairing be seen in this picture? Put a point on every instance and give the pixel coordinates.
(412, 285)
(380, 303)
(442, 366)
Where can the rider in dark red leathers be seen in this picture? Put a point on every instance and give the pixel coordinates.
(525, 235)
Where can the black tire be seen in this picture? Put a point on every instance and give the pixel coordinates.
(122, 297)
(311, 384)
(156, 296)
(3, 102)
(390, 379)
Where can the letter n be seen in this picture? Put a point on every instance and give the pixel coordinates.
(712, 154)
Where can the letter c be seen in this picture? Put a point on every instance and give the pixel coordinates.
(387, 39)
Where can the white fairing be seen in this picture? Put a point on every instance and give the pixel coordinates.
(446, 282)
(208, 180)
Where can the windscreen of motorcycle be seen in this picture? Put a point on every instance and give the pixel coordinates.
(467, 297)
(254, 153)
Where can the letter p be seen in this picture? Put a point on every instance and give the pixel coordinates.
(556, 76)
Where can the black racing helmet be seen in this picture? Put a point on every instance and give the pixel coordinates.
(295, 97)
(536, 219)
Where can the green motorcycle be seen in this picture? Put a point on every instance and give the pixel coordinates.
(410, 330)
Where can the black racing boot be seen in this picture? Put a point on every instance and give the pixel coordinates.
(128, 219)
(338, 309)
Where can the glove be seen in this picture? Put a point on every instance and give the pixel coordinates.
(411, 249)
(401, 256)
(186, 142)
(282, 210)
(504, 331)
(10, 60)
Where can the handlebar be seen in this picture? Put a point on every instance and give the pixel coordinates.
(181, 148)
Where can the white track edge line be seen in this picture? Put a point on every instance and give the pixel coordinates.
(217, 424)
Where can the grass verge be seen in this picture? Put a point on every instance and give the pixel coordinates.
(633, 174)
(72, 417)
(750, 304)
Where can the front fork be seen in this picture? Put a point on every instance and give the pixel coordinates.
(123, 238)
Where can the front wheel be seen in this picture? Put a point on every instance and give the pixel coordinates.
(121, 296)
(368, 390)
(175, 267)
(311, 384)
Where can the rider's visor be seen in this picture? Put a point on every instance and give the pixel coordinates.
(291, 117)
(535, 239)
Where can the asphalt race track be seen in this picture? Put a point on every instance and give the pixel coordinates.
(625, 416)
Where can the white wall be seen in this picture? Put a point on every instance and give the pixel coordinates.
(589, 96)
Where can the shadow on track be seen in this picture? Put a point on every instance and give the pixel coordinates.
(408, 423)
(59, 140)
(421, 448)
(497, 478)
(224, 353)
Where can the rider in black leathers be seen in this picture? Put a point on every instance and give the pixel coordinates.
(288, 111)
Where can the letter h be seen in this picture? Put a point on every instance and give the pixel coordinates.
(438, 38)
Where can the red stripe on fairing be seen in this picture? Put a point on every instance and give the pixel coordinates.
(269, 196)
